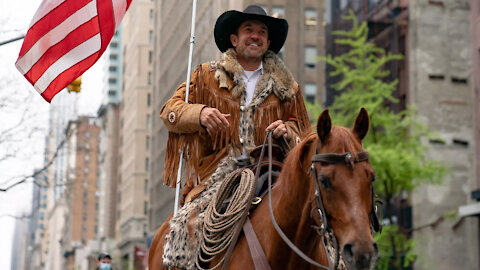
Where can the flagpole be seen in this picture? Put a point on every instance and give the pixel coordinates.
(187, 88)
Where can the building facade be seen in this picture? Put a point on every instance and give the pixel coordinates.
(82, 195)
(109, 117)
(440, 64)
(135, 125)
(62, 110)
(434, 37)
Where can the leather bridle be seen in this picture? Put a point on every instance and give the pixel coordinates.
(347, 159)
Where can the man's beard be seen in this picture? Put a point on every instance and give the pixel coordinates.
(248, 54)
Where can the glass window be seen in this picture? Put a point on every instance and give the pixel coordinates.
(278, 12)
(310, 19)
(114, 44)
(152, 15)
(113, 56)
(150, 57)
(150, 36)
(112, 68)
(112, 81)
(149, 99)
(149, 78)
(147, 142)
(147, 164)
(310, 56)
(149, 122)
(310, 92)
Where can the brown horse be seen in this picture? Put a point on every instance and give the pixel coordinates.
(346, 194)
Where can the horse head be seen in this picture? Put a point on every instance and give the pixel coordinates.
(344, 179)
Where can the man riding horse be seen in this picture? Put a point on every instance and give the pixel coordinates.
(233, 102)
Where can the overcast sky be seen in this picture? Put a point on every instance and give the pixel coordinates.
(15, 17)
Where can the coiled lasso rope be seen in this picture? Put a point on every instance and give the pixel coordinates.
(219, 226)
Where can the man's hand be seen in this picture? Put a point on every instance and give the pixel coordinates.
(278, 127)
(214, 120)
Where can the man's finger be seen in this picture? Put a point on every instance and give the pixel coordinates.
(223, 119)
(274, 125)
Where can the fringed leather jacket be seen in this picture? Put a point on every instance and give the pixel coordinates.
(219, 84)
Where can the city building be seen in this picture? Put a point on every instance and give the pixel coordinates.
(109, 117)
(434, 77)
(305, 41)
(135, 124)
(20, 244)
(82, 195)
(62, 109)
(36, 223)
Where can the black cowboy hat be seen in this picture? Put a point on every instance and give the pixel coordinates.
(230, 20)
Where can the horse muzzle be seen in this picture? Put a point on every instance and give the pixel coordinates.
(360, 256)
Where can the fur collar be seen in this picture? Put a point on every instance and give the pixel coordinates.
(275, 76)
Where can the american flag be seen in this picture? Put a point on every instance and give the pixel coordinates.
(65, 38)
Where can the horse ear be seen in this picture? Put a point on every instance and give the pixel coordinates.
(324, 126)
(361, 124)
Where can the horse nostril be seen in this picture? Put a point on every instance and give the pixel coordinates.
(348, 251)
(375, 248)
(363, 261)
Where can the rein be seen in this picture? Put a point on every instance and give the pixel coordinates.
(272, 216)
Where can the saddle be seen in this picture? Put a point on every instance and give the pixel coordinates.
(278, 155)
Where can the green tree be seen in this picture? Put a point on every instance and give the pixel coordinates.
(394, 140)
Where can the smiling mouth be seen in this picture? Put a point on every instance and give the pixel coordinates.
(254, 45)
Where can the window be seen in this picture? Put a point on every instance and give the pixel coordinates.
(149, 121)
(114, 45)
(146, 186)
(147, 142)
(149, 99)
(42, 215)
(113, 56)
(310, 92)
(152, 16)
(310, 19)
(149, 78)
(310, 56)
(112, 81)
(147, 164)
(278, 12)
(150, 36)
(112, 68)
(145, 208)
(150, 57)
(112, 92)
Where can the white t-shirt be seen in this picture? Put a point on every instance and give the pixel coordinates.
(250, 79)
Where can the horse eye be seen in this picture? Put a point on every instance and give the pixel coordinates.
(325, 181)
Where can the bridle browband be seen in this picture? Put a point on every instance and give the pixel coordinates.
(347, 158)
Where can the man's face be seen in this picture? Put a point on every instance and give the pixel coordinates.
(251, 42)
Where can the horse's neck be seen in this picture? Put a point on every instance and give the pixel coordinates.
(292, 207)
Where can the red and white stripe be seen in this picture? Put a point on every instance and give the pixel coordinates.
(65, 38)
